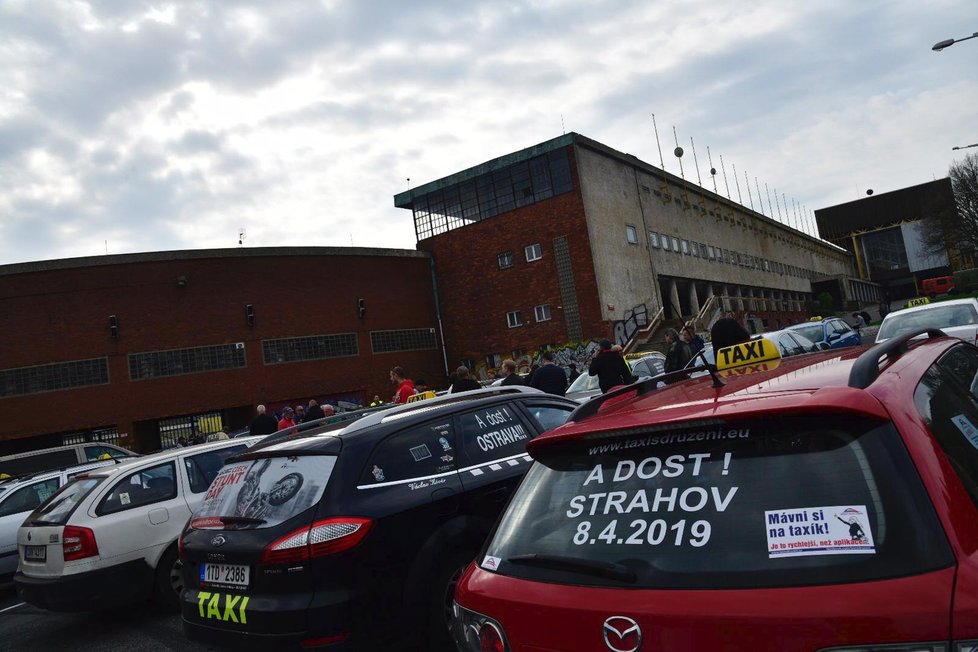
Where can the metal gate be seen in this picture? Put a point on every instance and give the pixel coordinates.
(172, 429)
(108, 435)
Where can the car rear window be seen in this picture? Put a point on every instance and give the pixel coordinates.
(263, 492)
(779, 502)
(59, 507)
(932, 317)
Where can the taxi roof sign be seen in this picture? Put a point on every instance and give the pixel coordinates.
(919, 301)
(752, 352)
(816, 318)
(422, 396)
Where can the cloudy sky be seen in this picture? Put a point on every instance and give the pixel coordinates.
(130, 126)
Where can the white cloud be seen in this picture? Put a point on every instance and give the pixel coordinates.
(172, 125)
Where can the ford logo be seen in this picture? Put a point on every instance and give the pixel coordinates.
(622, 634)
(219, 540)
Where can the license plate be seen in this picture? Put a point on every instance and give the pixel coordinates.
(225, 574)
(35, 553)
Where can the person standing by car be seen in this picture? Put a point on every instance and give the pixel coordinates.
(288, 418)
(510, 377)
(314, 412)
(693, 341)
(549, 377)
(678, 354)
(263, 424)
(610, 368)
(464, 382)
(574, 373)
(405, 386)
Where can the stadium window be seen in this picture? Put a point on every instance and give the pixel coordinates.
(685, 245)
(631, 234)
(675, 244)
(654, 239)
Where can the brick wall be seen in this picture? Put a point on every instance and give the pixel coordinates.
(53, 315)
(475, 294)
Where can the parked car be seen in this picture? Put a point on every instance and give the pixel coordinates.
(832, 331)
(586, 387)
(788, 342)
(22, 495)
(957, 317)
(830, 503)
(108, 537)
(59, 457)
(354, 538)
(932, 287)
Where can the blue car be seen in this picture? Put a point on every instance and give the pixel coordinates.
(832, 331)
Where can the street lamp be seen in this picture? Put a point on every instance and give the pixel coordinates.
(965, 146)
(949, 42)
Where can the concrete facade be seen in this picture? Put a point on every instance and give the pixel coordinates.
(615, 216)
(58, 311)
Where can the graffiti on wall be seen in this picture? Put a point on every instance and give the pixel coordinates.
(579, 353)
(635, 319)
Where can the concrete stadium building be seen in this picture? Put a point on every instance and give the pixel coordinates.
(570, 240)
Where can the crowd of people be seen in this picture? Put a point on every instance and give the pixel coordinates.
(608, 365)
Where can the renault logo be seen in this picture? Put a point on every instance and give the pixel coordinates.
(622, 634)
(219, 540)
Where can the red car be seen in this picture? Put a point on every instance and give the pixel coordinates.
(828, 503)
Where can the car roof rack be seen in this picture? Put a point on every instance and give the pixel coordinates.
(866, 369)
(642, 387)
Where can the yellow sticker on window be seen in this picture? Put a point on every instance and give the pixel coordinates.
(754, 352)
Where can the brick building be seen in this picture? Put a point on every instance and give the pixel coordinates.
(571, 241)
(138, 349)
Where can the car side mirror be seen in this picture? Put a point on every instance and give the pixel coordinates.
(833, 337)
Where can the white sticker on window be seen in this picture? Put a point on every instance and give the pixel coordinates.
(836, 530)
(420, 453)
(967, 429)
(124, 498)
(491, 563)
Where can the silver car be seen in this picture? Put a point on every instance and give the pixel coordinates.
(958, 318)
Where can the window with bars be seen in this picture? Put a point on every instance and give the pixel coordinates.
(505, 259)
(312, 347)
(53, 377)
(176, 362)
(412, 339)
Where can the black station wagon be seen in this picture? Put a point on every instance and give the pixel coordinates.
(353, 539)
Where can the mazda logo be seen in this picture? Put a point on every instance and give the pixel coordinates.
(622, 634)
(219, 540)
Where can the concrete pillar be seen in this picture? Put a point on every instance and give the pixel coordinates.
(694, 302)
(674, 304)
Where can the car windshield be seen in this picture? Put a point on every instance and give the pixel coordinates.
(584, 383)
(263, 492)
(938, 316)
(58, 508)
(812, 332)
(772, 502)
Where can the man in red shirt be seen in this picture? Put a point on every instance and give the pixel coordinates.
(288, 419)
(405, 386)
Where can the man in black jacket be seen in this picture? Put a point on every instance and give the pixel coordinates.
(510, 377)
(610, 368)
(263, 424)
(549, 377)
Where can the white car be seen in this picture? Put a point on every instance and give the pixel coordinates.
(20, 496)
(109, 537)
(958, 318)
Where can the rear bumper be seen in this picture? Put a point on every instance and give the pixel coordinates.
(91, 591)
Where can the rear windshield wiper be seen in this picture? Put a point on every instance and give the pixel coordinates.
(241, 520)
(607, 569)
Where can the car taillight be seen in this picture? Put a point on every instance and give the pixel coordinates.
(474, 632)
(78, 543)
(490, 639)
(322, 538)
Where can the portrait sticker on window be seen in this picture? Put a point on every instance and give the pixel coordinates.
(807, 531)
(967, 429)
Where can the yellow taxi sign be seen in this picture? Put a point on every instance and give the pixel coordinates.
(816, 318)
(919, 301)
(753, 353)
(635, 356)
(421, 397)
